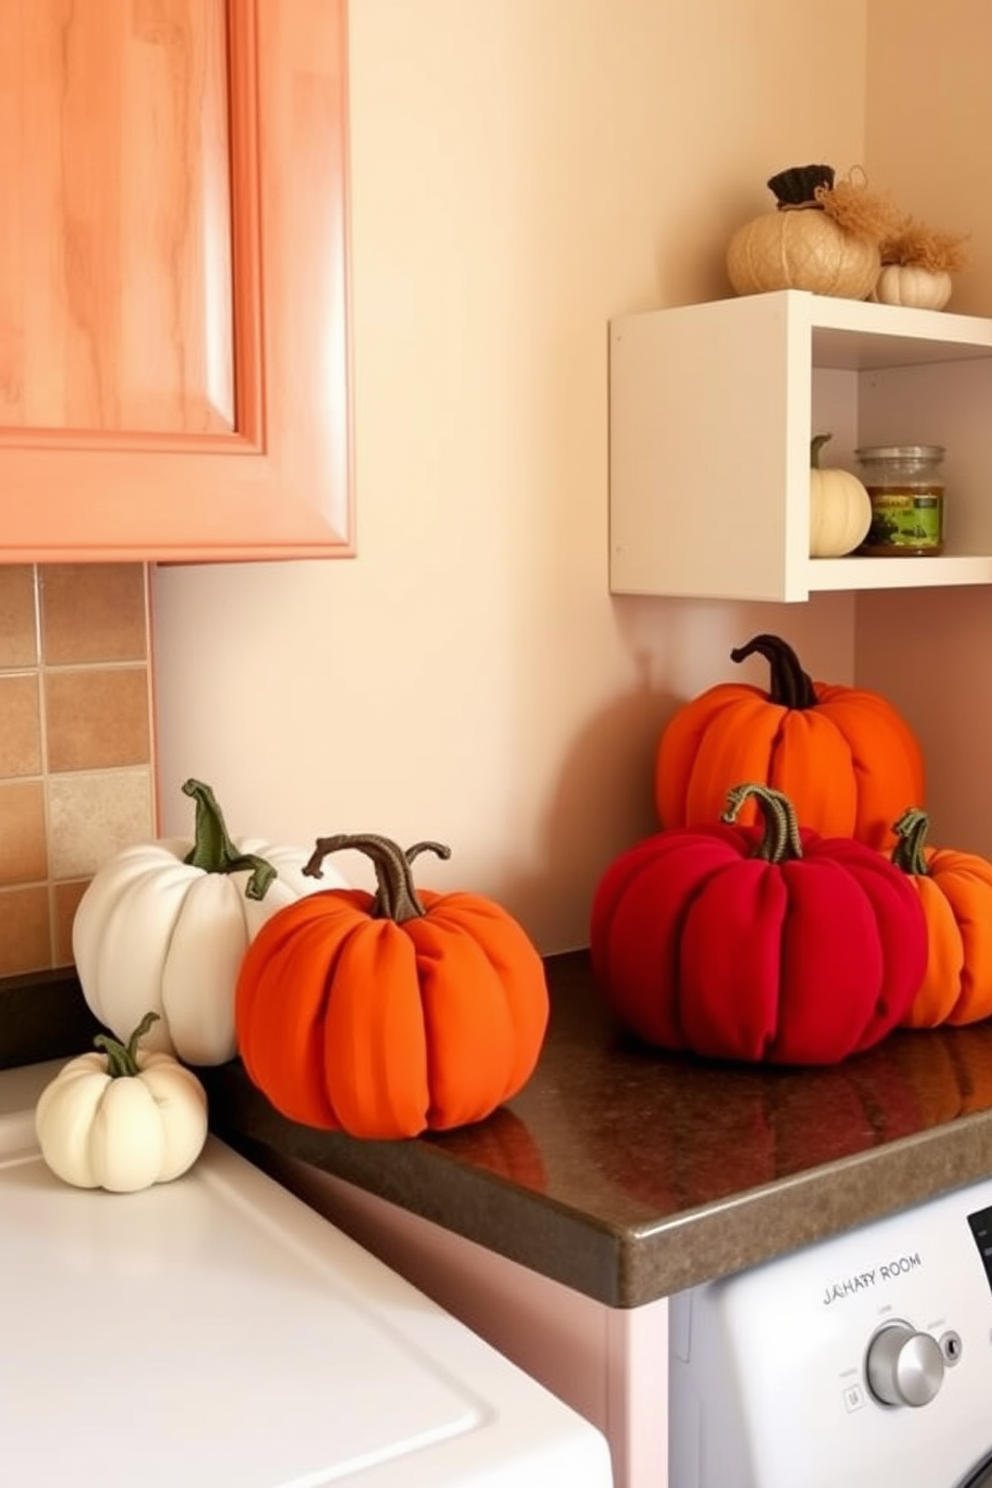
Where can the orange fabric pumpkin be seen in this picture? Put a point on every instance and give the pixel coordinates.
(955, 890)
(390, 1014)
(844, 756)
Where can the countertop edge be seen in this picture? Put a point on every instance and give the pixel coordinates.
(424, 1178)
(753, 1227)
(609, 1248)
(621, 1267)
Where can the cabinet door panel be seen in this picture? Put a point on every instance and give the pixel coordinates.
(173, 346)
(115, 292)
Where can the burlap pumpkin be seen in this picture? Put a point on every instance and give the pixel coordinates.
(801, 248)
(800, 245)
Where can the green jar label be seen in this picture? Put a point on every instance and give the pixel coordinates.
(905, 519)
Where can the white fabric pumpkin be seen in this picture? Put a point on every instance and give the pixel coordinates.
(164, 926)
(911, 285)
(123, 1119)
(839, 508)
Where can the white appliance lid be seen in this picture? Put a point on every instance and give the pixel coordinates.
(215, 1333)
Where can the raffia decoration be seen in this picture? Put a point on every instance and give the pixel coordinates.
(858, 209)
(915, 245)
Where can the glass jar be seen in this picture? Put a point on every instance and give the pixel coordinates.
(907, 500)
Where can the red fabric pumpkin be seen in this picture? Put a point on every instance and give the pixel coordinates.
(390, 1014)
(757, 943)
(844, 756)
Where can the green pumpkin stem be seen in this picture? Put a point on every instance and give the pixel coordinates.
(213, 850)
(790, 686)
(815, 446)
(396, 898)
(780, 840)
(122, 1059)
(911, 830)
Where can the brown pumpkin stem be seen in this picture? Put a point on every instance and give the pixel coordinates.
(911, 830)
(213, 850)
(779, 840)
(790, 686)
(395, 898)
(122, 1059)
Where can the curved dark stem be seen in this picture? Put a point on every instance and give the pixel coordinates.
(780, 839)
(214, 852)
(790, 686)
(411, 854)
(911, 830)
(395, 898)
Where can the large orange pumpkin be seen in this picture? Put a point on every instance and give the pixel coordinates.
(390, 1014)
(955, 890)
(844, 756)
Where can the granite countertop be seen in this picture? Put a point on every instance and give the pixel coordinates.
(629, 1174)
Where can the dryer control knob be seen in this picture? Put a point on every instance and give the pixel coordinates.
(904, 1367)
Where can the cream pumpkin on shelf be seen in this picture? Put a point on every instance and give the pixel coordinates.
(913, 286)
(918, 262)
(164, 926)
(839, 507)
(122, 1118)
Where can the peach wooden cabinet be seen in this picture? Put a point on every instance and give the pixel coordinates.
(173, 348)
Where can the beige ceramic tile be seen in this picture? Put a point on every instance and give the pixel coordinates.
(24, 930)
(97, 718)
(87, 709)
(18, 623)
(20, 724)
(92, 817)
(23, 851)
(65, 902)
(93, 612)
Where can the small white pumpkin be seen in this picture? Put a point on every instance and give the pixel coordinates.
(839, 508)
(165, 925)
(911, 285)
(123, 1119)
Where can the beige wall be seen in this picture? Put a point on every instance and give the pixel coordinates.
(929, 125)
(522, 170)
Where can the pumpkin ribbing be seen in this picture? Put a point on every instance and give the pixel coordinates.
(844, 756)
(724, 939)
(955, 893)
(391, 1013)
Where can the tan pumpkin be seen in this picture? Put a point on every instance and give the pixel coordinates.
(800, 245)
(912, 285)
(801, 248)
(839, 507)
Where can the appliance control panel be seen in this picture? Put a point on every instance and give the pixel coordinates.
(828, 1366)
(980, 1224)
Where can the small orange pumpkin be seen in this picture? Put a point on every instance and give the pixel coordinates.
(390, 1014)
(844, 756)
(955, 890)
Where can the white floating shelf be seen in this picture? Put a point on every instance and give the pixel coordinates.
(711, 417)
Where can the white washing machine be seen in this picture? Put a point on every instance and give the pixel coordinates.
(215, 1332)
(859, 1362)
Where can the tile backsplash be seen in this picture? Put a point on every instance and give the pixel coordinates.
(76, 744)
